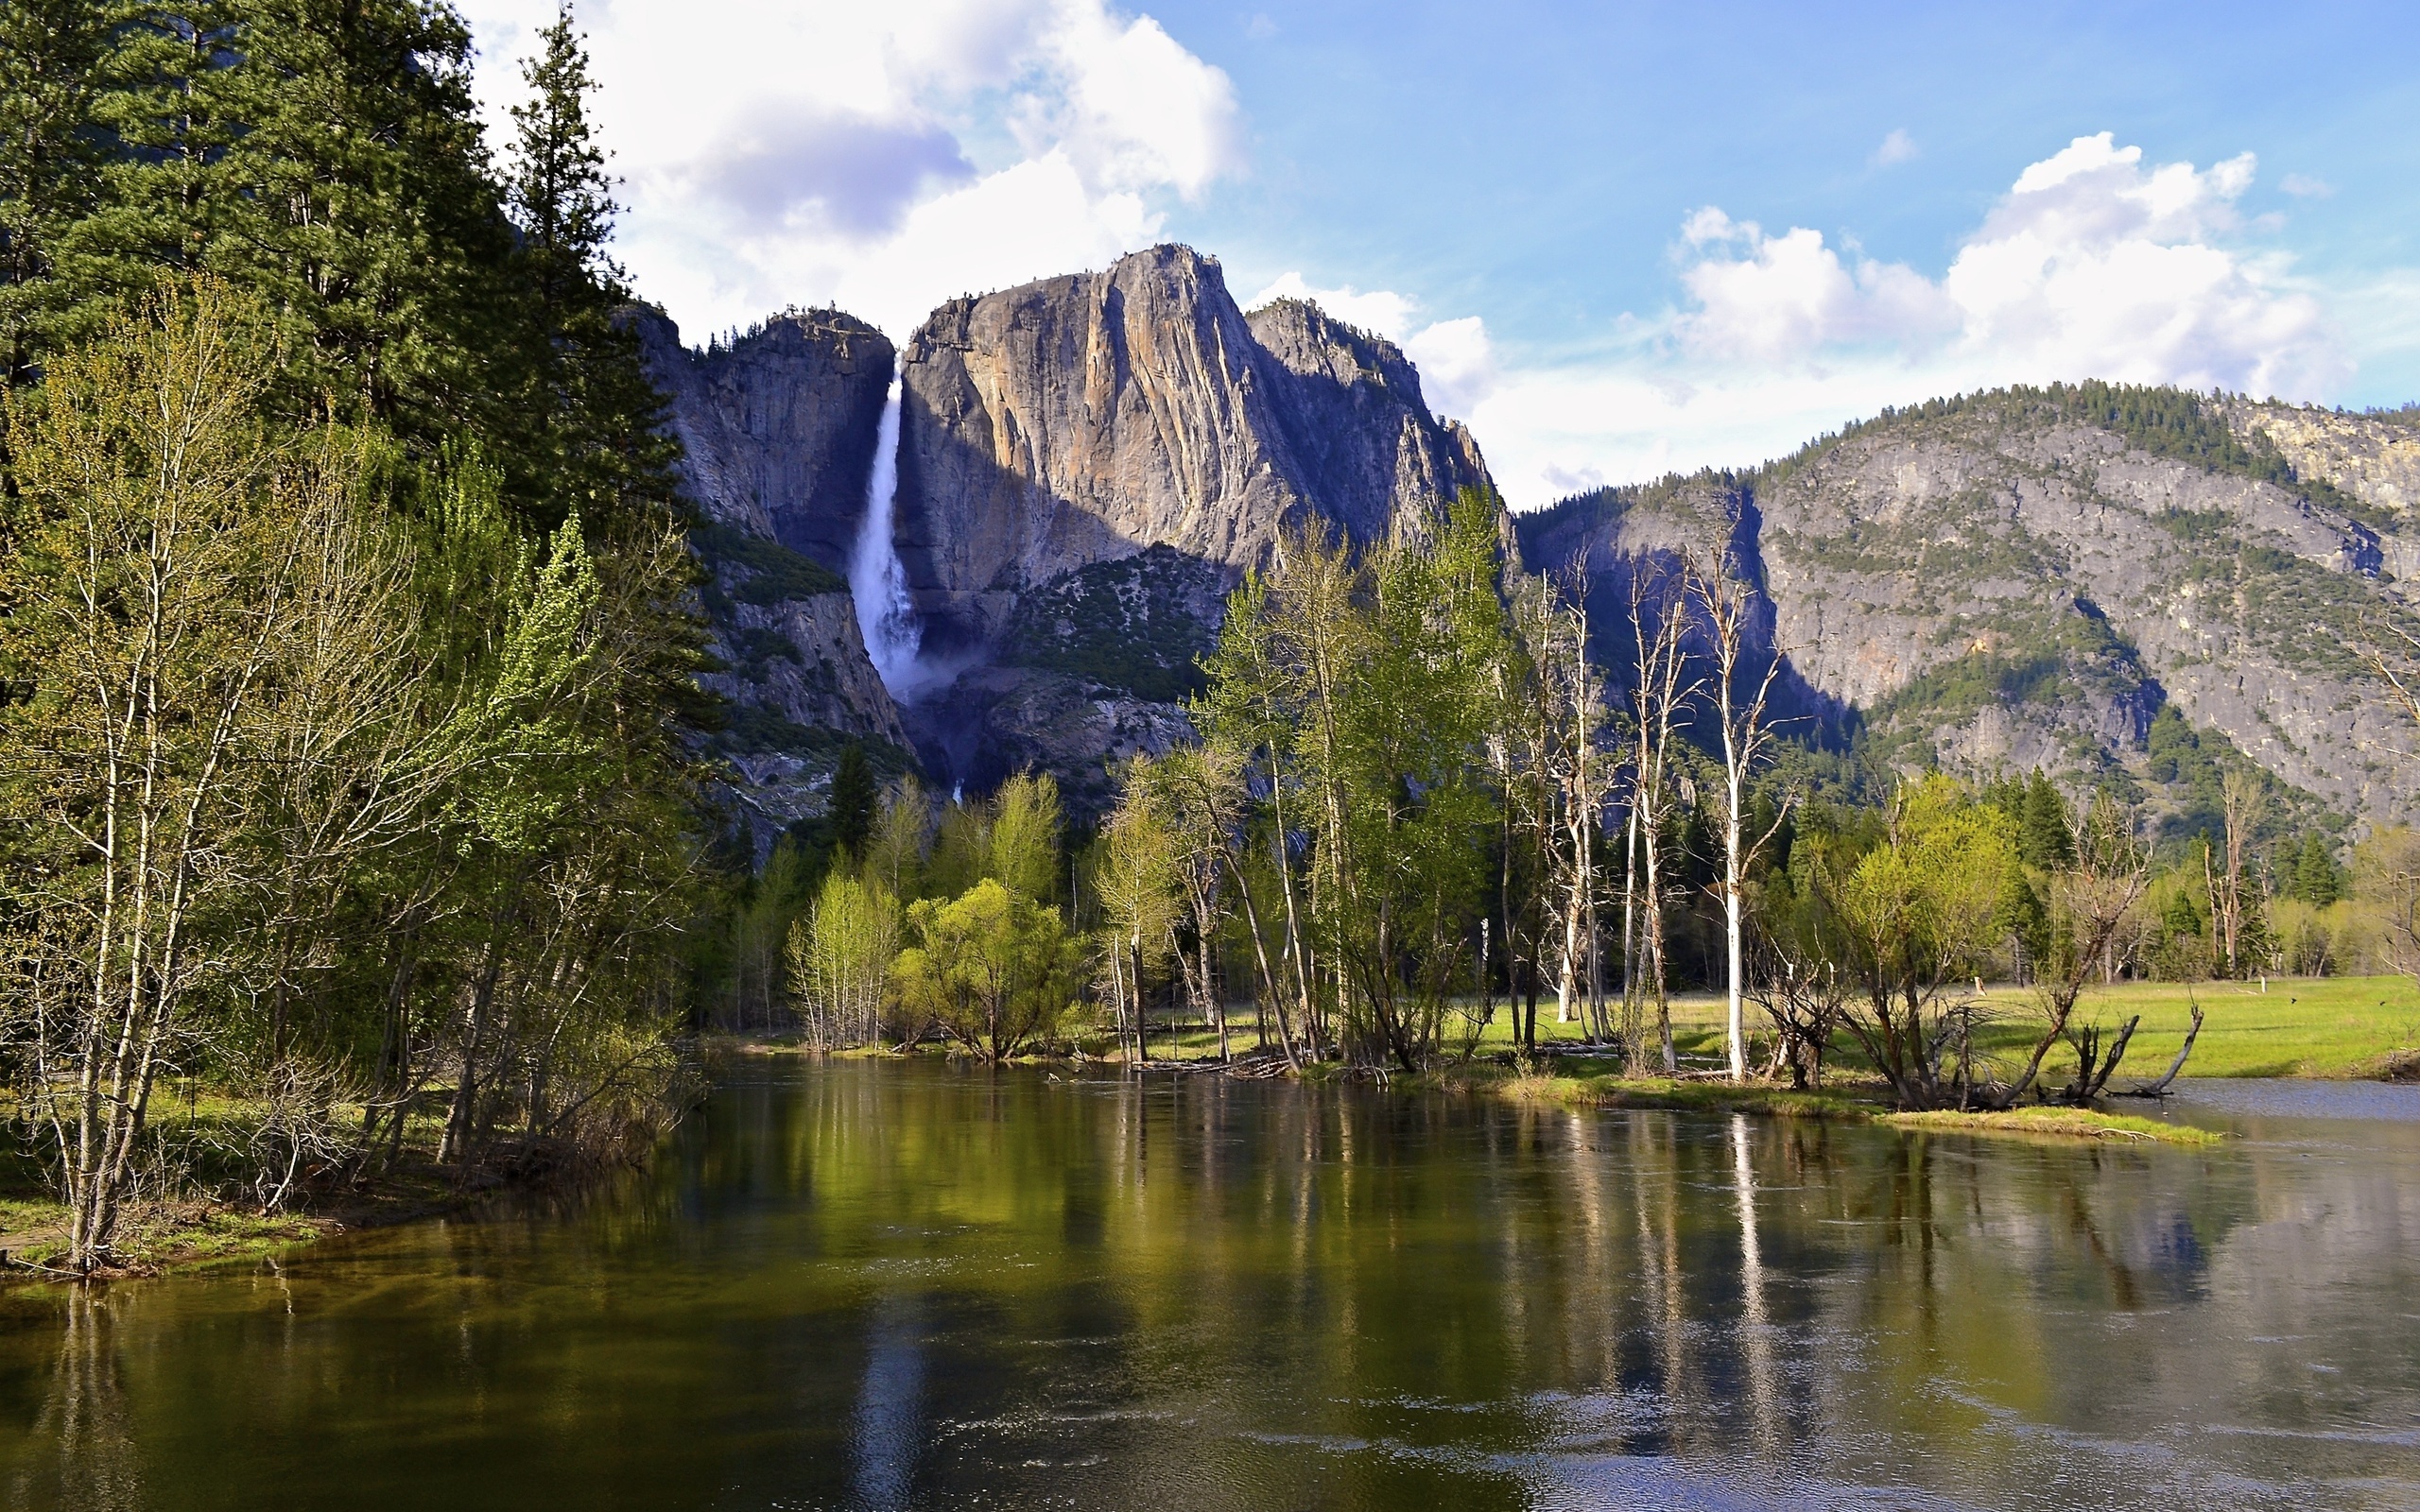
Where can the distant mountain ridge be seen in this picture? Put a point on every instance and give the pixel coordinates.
(2027, 577)
(2063, 577)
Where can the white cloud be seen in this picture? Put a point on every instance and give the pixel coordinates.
(1456, 360)
(2303, 186)
(884, 158)
(1383, 311)
(1456, 363)
(1897, 148)
(2093, 266)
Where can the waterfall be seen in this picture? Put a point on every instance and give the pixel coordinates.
(877, 579)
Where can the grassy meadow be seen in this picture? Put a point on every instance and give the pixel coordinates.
(2332, 1027)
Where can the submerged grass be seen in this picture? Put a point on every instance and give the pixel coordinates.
(2056, 1123)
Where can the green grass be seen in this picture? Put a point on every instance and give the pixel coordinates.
(2335, 1027)
(2055, 1122)
(2332, 1027)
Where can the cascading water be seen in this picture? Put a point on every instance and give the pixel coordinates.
(877, 578)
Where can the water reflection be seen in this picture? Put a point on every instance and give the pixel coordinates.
(889, 1406)
(881, 1286)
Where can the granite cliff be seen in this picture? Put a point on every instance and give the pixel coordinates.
(2077, 579)
(777, 434)
(1084, 418)
(1085, 465)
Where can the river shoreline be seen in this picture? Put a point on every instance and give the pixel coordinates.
(199, 1234)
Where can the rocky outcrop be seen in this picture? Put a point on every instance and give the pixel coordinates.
(1083, 419)
(2376, 458)
(777, 429)
(1988, 586)
(777, 436)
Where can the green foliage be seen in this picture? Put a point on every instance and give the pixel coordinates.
(470, 847)
(848, 813)
(2315, 878)
(839, 958)
(993, 967)
(1141, 624)
(2046, 831)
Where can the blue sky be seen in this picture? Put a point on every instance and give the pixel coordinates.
(1617, 238)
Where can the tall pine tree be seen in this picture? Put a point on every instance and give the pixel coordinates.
(595, 436)
(2046, 831)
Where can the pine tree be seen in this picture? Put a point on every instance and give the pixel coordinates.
(53, 70)
(592, 432)
(2045, 833)
(2315, 879)
(849, 817)
(561, 194)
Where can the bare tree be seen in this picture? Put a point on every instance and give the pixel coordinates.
(2243, 800)
(156, 598)
(1660, 697)
(1747, 735)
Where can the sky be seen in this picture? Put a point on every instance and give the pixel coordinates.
(1618, 239)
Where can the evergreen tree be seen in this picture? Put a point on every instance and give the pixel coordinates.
(2022, 917)
(54, 57)
(2315, 879)
(849, 817)
(2046, 831)
(324, 154)
(595, 436)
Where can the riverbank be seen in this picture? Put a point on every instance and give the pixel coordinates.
(219, 1183)
(190, 1232)
(2331, 1027)
(1858, 1102)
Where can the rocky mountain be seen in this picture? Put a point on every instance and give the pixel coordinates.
(2086, 579)
(1085, 465)
(2125, 585)
(1085, 418)
(777, 432)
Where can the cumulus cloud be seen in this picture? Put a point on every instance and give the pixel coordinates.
(1897, 148)
(1456, 360)
(2093, 264)
(883, 158)
(1383, 311)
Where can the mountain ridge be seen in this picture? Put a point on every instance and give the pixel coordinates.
(2017, 577)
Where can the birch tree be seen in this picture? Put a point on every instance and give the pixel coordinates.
(1739, 697)
(154, 562)
(1661, 692)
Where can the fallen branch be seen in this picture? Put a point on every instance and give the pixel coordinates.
(2159, 1087)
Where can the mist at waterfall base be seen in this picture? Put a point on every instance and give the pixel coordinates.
(878, 581)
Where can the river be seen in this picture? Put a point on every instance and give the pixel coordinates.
(878, 1285)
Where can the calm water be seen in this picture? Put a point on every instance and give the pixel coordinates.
(913, 1286)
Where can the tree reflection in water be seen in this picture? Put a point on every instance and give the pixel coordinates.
(874, 1285)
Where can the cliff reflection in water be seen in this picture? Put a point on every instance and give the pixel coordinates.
(877, 1286)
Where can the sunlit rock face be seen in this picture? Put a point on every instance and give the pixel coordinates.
(1989, 589)
(1084, 418)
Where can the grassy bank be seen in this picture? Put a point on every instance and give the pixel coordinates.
(2055, 1122)
(1857, 1101)
(212, 1212)
(2334, 1026)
